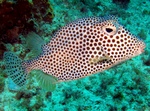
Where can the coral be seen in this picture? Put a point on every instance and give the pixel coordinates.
(123, 3)
(39, 104)
(147, 63)
(18, 17)
(14, 19)
(142, 34)
(23, 94)
(42, 10)
(26, 100)
(2, 78)
(118, 96)
(21, 17)
(48, 95)
(2, 84)
(2, 50)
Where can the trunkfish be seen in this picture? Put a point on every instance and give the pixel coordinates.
(79, 49)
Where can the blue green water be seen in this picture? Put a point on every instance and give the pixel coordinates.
(125, 87)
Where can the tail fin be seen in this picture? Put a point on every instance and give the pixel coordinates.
(15, 69)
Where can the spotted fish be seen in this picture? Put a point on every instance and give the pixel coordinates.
(79, 49)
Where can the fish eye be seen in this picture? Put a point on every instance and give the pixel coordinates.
(110, 30)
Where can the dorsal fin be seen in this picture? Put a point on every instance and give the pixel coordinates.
(35, 43)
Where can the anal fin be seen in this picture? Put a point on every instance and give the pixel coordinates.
(46, 81)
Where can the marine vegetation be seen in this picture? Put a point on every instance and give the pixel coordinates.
(21, 17)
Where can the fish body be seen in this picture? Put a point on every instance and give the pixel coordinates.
(84, 47)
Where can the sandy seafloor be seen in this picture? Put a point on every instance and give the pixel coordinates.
(125, 87)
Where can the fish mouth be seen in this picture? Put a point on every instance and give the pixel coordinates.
(141, 48)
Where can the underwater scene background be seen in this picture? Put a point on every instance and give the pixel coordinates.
(125, 87)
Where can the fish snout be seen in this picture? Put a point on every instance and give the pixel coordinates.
(141, 47)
